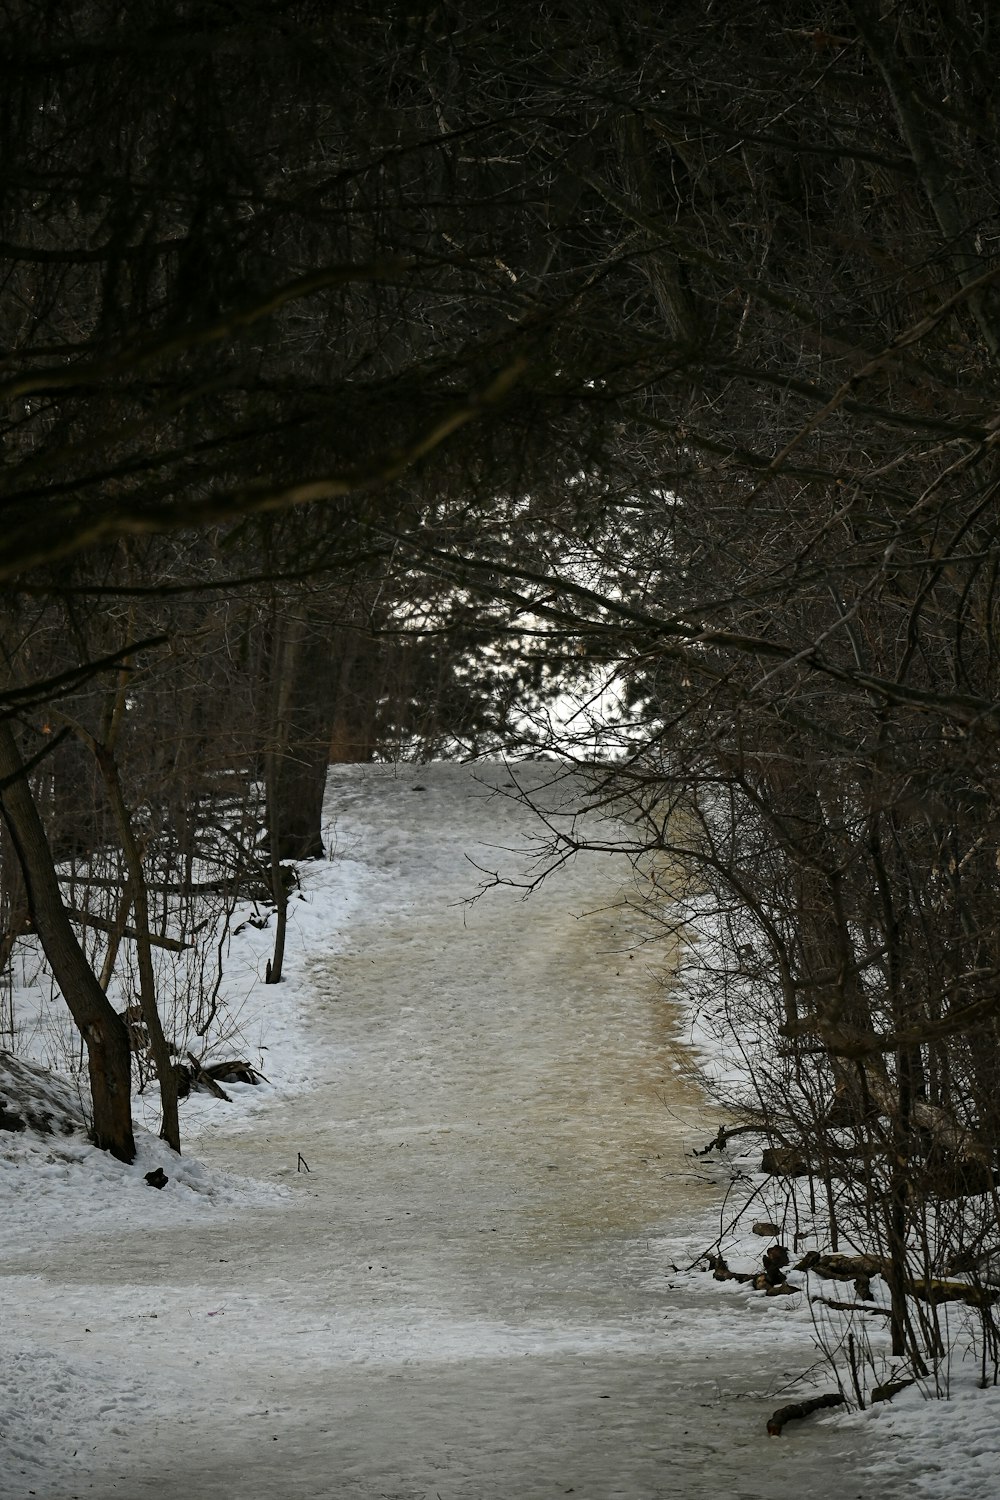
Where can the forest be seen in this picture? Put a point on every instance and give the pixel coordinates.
(371, 376)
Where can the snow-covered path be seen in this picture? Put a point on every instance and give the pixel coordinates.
(468, 1296)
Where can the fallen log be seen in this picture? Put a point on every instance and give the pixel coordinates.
(860, 1268)
(91, 919)
(719, 1268)
(235, 1070)
(798, 1409)
(207, 1076)
(201, 1078)
(771, 1280)
(936, 1292)
(841, 1267)
(890, 1389)
(872, 1307)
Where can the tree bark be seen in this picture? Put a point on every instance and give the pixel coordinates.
(103, 1031)
(165, 1071)
(303, 708)
(136, 891)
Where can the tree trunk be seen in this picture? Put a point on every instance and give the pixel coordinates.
(166, 1073)
(109, 1059)
(301, 784)
(299, 734)
(279, 892)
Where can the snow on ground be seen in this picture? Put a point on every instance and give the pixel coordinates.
(262, 1023)
(472, 1292)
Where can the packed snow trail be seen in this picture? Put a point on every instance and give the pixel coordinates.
(468, 1294)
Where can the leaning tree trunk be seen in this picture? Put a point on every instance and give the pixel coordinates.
(103, 1031)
